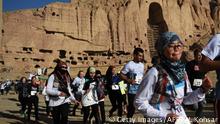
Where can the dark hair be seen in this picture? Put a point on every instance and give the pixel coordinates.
(45, 71)
(79, 72)
(23, 78)
(87, 72)
(98, 72)
(154, 60)
(108, 74)
(196, 51)
(33, 77)
(138, 50)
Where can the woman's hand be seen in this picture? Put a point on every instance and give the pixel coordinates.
(62, 94)
(76, 102)
(207, 84)
(130, 81)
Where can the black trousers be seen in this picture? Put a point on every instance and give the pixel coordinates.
(2, 91)
(74, 108)
(24, 103)
(116, 100)
(60, 114)
(131, 108)
(101, 106)
(124, 99)
(199, 108)
(95, 112)
(20, 98)
(33, 100)
(47, 107)
(102, 110)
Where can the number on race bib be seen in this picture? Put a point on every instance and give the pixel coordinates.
(197, 82)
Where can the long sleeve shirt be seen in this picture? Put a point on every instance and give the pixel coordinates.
(79, 82)
(53, 92)
(160, 110)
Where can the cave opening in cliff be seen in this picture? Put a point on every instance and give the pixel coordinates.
(62, 53)
(156, 25)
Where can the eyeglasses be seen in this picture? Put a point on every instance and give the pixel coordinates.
(175, 46)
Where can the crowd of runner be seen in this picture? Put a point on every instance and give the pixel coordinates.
(157, 92)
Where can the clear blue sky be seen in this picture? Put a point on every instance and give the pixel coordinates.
(11, 5)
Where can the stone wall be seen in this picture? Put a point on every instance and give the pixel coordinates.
(1, 26)
(99, 32)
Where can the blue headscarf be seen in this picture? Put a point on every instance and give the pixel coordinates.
(165, 39)
(176, 69)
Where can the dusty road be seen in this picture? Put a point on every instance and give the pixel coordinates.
(9, 113)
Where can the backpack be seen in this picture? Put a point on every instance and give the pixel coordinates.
(159, 94)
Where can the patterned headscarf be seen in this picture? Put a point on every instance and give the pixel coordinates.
(175, 69)
(166, 39)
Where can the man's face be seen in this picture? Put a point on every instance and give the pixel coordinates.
(139, 57)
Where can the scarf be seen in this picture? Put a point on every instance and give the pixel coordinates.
(176, 69)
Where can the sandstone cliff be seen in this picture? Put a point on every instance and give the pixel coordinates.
(100, 32)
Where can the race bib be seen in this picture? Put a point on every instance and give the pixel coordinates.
(62, 97)
(115, 87)
(178, 108)
(138, 79)
(197, 82)
(33, 93)
(92, 85)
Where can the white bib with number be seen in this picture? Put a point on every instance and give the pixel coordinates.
(33, 93)
(197, 82)
(115, 87)
(138, 79)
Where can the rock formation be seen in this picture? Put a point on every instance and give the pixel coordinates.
(99, 32)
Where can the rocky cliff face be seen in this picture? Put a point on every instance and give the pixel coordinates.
(100, 32)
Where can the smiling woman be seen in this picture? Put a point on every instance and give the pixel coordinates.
(10, 5)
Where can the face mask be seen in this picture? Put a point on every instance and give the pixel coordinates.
(64, 68)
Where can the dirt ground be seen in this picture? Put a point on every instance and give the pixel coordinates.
(9, 113)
